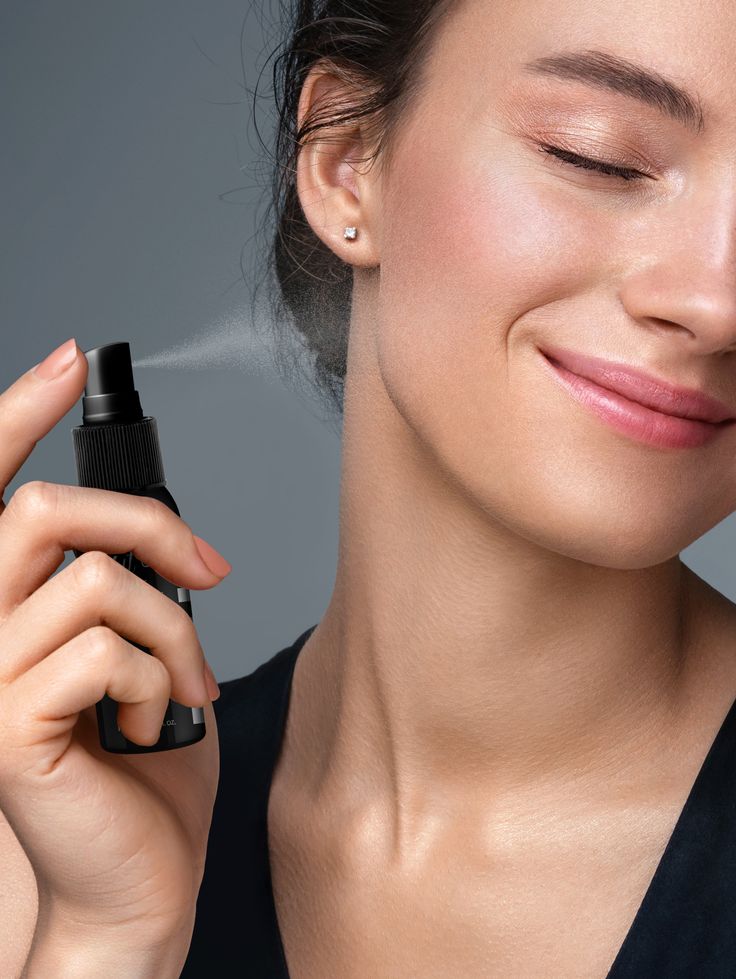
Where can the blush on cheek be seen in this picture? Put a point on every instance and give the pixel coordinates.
(466, 256)
(473, 255)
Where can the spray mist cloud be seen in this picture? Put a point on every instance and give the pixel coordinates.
(245, 339)
(227, 342)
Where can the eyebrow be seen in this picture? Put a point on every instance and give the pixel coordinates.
(609, 71)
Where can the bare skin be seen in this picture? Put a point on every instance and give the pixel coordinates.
(507, 884)
(497, 722)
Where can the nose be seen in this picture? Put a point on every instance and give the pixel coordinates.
(684, 284)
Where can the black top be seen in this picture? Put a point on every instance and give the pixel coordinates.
(685, 927)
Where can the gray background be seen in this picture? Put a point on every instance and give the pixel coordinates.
(114, 161)
(127, 195)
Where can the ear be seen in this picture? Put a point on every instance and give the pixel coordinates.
(335, 187)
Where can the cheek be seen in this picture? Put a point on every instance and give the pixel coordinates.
(469, 245)
(469, 249)
(479, 261)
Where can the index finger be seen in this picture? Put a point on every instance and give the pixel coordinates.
(34, 403)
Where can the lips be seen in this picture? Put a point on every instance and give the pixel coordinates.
(640, 387)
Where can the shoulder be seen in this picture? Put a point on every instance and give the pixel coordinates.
(251, 709)
(235, 919)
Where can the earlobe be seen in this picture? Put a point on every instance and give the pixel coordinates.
(333, 190)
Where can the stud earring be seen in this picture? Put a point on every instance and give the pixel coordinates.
(350, 233)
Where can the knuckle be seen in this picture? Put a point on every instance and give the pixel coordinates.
(161, 676)
(155, 513)
(35, 500)
(95, 571)
(101, 642)
(182, 628)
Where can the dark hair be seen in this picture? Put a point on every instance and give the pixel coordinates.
(379, 47)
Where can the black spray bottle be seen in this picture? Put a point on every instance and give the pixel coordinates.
(117, 448)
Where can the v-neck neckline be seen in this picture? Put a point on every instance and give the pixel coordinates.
(627, 959)
(671, 871)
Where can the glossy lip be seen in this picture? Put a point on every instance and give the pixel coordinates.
(645, 389)
(644, 424)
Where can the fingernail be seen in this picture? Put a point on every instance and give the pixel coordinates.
(57, 361)
(209, 678)
(214, 561)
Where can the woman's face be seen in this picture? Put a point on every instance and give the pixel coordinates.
(491, 250)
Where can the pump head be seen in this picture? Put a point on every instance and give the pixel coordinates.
(110, 396)
(116, 447)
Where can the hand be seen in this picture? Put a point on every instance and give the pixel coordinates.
(114, 840)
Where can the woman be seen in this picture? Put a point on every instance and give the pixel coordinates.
(505, 749)
(496, 724)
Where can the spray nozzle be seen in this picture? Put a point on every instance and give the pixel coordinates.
(115, 446)
(110, 396)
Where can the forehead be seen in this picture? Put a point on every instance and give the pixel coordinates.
(485, 44)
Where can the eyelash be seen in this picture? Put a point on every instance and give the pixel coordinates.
(586, 163)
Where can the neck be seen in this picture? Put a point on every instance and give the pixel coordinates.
(458, 656)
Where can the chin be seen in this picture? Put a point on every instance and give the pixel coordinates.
(589, 530)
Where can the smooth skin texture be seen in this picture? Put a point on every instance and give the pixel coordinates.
(101, 854)
(497, 721)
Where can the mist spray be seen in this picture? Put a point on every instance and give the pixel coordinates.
(117, 448)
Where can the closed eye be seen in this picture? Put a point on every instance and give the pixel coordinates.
(586, 163)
